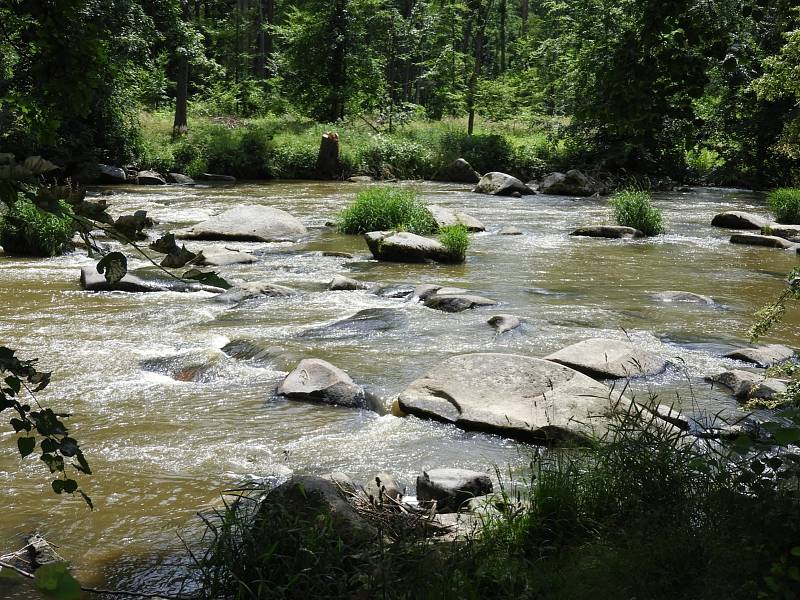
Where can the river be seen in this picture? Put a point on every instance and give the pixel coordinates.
(162, 449)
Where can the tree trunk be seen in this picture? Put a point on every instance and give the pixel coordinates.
(336, 67)
(328, 166)
(265, 17)
(525, 13)
(476, 71)
(503, 10)
(181, 124)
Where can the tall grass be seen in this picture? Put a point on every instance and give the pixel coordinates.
(635, 209)
(456, 239)
(382, 208)
(785, 204)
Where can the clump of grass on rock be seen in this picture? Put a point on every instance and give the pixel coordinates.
(27, 231)
(635, 209)
(785, 203)
(381, 209)
(456, 239)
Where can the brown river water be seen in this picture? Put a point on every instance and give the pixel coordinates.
(163, 449)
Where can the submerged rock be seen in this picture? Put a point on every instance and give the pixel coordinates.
(193, 366)
(763, 356)
(458, 171)
(216, 177)
(243, 349)
(360, 179)
(179, 179)
(678, 296)
(320, 381)
(501, 184)
(450, 489)
(789, 232)
(737, 219)
(445, 217)
(608, 231)
(516, 396)
(571, 183)
(770, 241)
(504, 323)
(334, 254)
(609, 359)
(366, 321)
(457, 302)
(248, 224)
(92, 281)
(510, 231)
(406, 247)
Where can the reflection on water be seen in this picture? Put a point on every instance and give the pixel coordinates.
(163, 448)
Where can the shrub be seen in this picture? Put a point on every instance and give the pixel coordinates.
(785, 203)
(27, 231)
(635, 209)
(456, 240)
(485, 152)
(380, 209)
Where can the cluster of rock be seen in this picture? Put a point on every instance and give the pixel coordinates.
(770, 235)
(99, 173)
(750, 385)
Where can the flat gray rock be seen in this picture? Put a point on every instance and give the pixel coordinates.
(763, 356)
(111, 174)
(737, 219)
(516, 396)
(92, 281)
(253, 289)
(405, 247)
(609, 359)
(345, 284)
(364, 322)
(248, 224)
(678, 296)
(445, 217)
(150, 178)
(451, 488)
(320, 381)
(425, 291)
(608, 231)
(179, 179)
(501, 184)
(504, 323)
(571, 183)
(510, 231)
(457, 302)
(789, 232)
(219, 256)
(769, 241)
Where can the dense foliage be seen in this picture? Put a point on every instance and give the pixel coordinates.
(785, 204)
(28, 231)
(705, 90)
(382, 209)
(635, 209)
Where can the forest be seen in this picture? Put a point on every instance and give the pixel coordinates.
(698, 91)
(400, 299)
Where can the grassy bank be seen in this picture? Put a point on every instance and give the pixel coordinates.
(644, 514)
(286, 147)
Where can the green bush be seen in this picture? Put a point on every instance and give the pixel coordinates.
(27, 231)
(635, 209)
(785, 203)
(456, 240)
(485, 152)
(381, 209)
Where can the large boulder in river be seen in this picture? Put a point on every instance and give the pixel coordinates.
(504, 323)
(614, 232)
(458, 171)
(609, 359)
(346, 284)
(746, 385)
(501, 184)
(251, 223)
(516, 396)
(110, 174)
(406, 247)
(737, 219)
(445, 217)
(768, 241)
(320, 381)
(458, 302)
(150, 178)
(365, 322)
(763, 356)
(451, 488)
(179, 179)
(571, 183)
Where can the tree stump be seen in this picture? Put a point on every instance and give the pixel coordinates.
(328, 166)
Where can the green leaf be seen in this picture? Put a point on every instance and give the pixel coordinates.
(55, 581)
(86, 499)
(26, 445)
(70, 486)
(113, 266)
(69, 447)
(57, 485)
(19, 425)
(54, 462)
(14, 383)
(787, 435)
(208, 278)
(82, 465)
(796, 551)
(49, 445)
